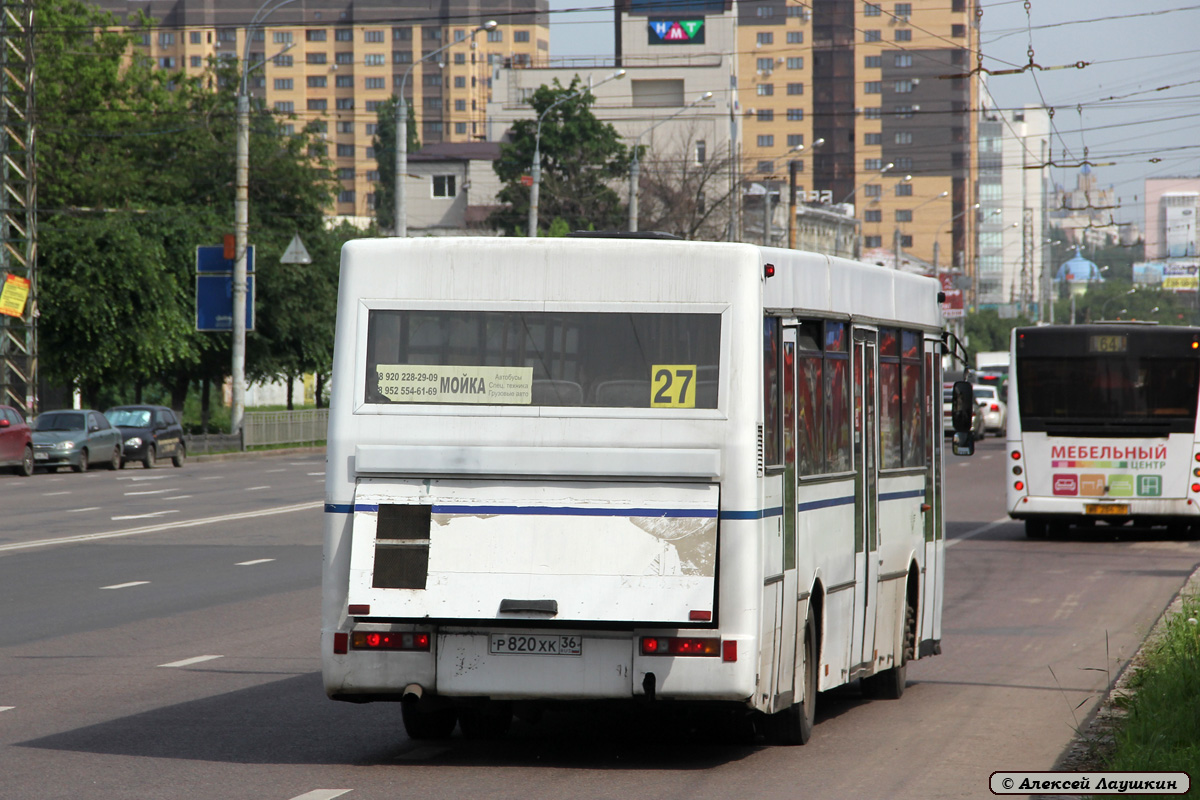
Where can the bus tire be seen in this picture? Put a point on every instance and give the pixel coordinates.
(889, 684)
(488, 721)
(794, 725)
(427, 723)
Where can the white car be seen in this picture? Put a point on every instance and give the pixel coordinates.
(995, 410)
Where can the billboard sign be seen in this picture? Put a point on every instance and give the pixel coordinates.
(676, 31)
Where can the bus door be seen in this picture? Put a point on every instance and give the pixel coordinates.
(866, 497)
(785, 649)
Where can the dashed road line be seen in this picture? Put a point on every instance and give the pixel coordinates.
(321, 794)
(187, 662)
(281, 469)
(7, 708)
(252, 563)
(54, 494)
(125, 585)
(136, 478)
(256, 488)
(150, 515)
(148, 491)
(981, 529)
(166, 526)
(322, 474)
(81, 510)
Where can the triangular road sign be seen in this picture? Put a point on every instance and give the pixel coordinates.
(295, 253)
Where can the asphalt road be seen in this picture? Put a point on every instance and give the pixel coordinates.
(159, 639)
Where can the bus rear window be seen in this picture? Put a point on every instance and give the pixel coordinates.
(600, 359)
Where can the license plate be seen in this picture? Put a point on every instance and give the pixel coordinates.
(1106, 508)
(41, 456)
(515, 644)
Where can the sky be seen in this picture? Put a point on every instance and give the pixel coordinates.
(1134, 102)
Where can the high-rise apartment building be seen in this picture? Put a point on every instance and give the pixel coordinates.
(876, 84)
(334, 64)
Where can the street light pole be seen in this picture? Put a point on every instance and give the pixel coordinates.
(536, 168)
(854, 191)
(635, 165)
(241, 220)
(791, 237)
(400, 203)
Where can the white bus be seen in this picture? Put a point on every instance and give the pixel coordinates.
(592, 469)
(1102, 426)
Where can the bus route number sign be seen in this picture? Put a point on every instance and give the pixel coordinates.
(1107, 343)
(673, 386)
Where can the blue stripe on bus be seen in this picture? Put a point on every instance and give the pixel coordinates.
(347, 508)
(902, 495)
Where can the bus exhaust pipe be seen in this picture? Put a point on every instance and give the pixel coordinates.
(412, 693)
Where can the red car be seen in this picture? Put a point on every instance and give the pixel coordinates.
(16, 446)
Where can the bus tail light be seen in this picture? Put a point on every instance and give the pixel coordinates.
(1196, 487)
(995, 407)
(681, 646)
(729, 650)
(341, 642)
(1016, 455)
(1019, 485)
(387, 640)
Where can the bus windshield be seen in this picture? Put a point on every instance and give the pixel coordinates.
(1115, 388)
(601, 359)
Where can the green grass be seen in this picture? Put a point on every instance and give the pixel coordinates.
(1161, 727)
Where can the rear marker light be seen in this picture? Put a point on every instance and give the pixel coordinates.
(700, 616)
(769, 270)
(1196, 487)
(1016, 455)
(359, 610)
(386, 640)
(340, 643)
(1019, 485)
(680, 646)
(729, 650)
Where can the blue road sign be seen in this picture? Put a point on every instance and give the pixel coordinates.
(214, 302)
(211, 258)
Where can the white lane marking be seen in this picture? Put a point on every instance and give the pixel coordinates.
(151, 515)
(256, 488)
(187, 662)
(177, 497)
(213, 478)
(281, 469)
(321, 794)
(977, 531)
(54, 494)
(7, 708)
(81, 510)
(125, 585)
(148, 491)
(136, 478)
(252, 563)
(322, 474)
(187, 523)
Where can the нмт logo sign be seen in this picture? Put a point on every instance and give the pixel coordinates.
(676, 31)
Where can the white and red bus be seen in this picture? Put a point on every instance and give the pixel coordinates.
(1102, 426)
(597, 469)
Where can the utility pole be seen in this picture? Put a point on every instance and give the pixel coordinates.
(18, 207)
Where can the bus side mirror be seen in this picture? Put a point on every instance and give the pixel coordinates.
(963, 444)
(962, 407)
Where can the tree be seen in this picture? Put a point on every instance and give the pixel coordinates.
(580, 157)
(137, 169)
(385, 156)
(680, 196)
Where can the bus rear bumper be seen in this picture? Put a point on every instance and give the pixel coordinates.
(606, 666)
(1114, 511)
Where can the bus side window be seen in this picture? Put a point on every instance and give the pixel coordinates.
(772, 422)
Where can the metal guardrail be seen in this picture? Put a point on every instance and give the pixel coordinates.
(200, 443)
(284, 427)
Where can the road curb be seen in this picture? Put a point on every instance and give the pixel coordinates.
(244, 454)
(1097, 731)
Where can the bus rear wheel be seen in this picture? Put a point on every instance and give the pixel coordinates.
(794, 725)
(889, 684)
(423, 722)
